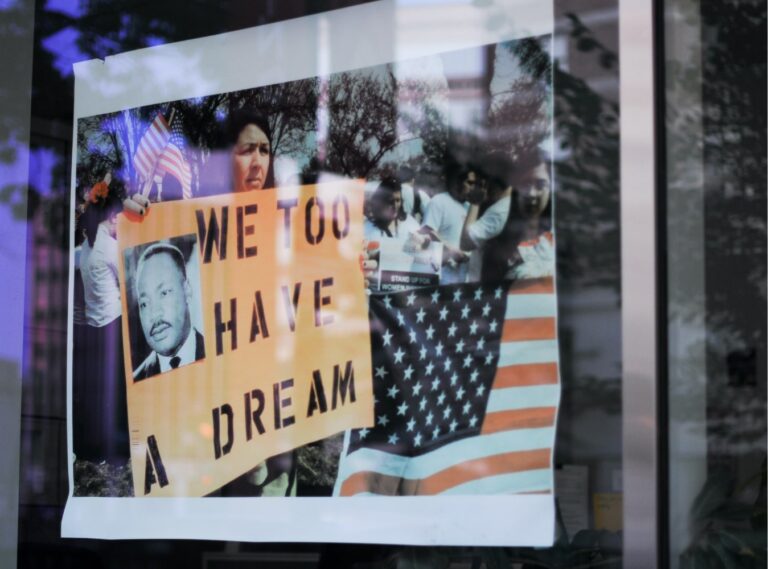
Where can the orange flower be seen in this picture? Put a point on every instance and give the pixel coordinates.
(99, 192)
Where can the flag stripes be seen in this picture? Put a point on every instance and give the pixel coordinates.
(161, 151)
(151, 146)
(526, 374)
(172, 160)
(529, 418)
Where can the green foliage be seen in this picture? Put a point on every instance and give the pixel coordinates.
(729, 531)
(363, 121)
(102, 479)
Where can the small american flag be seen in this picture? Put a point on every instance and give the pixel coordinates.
(466, 389)
(172, 159)
(151, 147)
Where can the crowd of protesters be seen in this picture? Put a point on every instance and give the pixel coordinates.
(493, 219)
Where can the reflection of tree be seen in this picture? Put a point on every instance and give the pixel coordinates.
(716, 154)
(363, 121)
(587, 177)
(716, 158)
(518, 117)
(291, 109)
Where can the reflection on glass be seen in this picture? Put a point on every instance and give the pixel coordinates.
(586, 178)
(716, 201)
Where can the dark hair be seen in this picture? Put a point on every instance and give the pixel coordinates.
(502, 249)
(382, 195)
(162, 247)
(216, 177)
(404, 174)
(241, 118)
(99, 211)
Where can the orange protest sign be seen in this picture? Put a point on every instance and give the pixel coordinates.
(246, 332)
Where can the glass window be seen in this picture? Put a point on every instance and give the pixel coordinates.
(715, 164)
(584, 86)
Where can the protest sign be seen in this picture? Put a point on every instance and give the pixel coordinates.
(273, 271)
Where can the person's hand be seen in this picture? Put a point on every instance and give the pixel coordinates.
(454, 257)
(369, 262)
(136, 206)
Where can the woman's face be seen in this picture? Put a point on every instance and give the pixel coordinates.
(533, 189)
(251, 157)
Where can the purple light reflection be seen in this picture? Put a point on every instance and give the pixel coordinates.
(63, 46)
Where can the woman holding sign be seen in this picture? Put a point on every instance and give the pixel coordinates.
(244, 152)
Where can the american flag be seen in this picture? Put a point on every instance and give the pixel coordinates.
(151, 147)
(466, 389)
(172, 159)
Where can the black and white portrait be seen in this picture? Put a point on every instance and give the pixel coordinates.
(163, 285)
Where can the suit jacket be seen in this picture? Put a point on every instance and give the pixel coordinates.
(151, 365)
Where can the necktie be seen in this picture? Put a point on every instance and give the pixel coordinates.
(175, 361)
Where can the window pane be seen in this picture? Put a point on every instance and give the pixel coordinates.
(716, 202)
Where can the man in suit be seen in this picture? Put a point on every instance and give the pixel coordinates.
(164, 295)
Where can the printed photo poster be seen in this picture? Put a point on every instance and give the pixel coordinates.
(317, 303)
